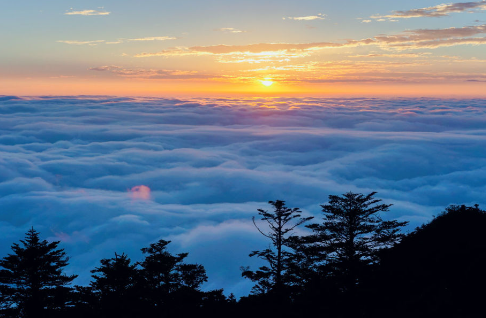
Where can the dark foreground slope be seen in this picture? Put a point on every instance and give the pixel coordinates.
(436, 271)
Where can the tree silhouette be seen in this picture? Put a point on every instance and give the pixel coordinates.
(32, 283)
(351, 235)
(115, 287)
(281, 222)
(169, 283)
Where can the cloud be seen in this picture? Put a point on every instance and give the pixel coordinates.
(119, 41)
(440, 43)
(154, 38)
(91, 43)
(319, 16)
(151, 73)
(401, 55)
(197, 170)
(437, 11)
(433, 38)
(252, 53)
(284, 52)
(230, 30)
(87, 12)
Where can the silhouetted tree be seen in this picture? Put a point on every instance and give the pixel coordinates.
(303, 266)
(352, 233)
(281, 222)
(32, 283)
(86, 303)
(115, 287)
(169, 283)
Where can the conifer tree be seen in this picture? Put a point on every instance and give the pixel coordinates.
(115, 287)
(281, 222)
(351, 235)
(32, 282)
(168, 282)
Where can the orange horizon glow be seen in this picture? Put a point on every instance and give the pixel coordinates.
(36, 87)
(86, 51)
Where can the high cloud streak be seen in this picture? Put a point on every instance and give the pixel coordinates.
(274, 52)
(87, 12)
(319, 16)
(106, 174)
(437, 11)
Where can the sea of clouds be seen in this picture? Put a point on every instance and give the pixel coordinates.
(107, 174)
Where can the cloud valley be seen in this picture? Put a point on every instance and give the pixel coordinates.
(105, 174)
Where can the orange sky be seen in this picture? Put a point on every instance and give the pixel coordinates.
(202, 89)
(418, 48)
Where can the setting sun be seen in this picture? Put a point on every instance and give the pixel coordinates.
(267, 82)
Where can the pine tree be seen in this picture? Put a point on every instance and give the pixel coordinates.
(281, 222)
(115, 287)
(32, 283)
(351, 235)
(169, 283)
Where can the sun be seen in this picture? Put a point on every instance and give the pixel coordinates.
(267, 82)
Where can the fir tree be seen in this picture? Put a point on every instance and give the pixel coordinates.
(281, 222)
(351, 235)
(115, 287)
(32, 283)
(169, 284)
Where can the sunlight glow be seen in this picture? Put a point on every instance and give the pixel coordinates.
(267, 82)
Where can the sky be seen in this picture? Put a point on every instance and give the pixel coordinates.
(220, 47)
(114, 174)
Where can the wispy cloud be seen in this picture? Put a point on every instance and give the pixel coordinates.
(87, 12)
(252, 53)
(250, 49)
(437, 11)
(139, 73)
(153, 38)
(229, 30)
(265, 52)
(119, 41)
(433, 38)
(92, 43)
(319, 16)
(402, 55)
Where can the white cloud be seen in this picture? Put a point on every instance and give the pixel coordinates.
(87, 12)
(319, 16)
(91, 43)
(230, 30)
(119, 41)
(154, 38)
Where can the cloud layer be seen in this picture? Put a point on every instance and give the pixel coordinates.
(437, 11)
(106, 174)
(283, 52)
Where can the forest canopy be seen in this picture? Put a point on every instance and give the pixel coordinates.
(352, 256)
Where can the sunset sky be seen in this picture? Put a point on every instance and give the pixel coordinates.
(204, 47)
